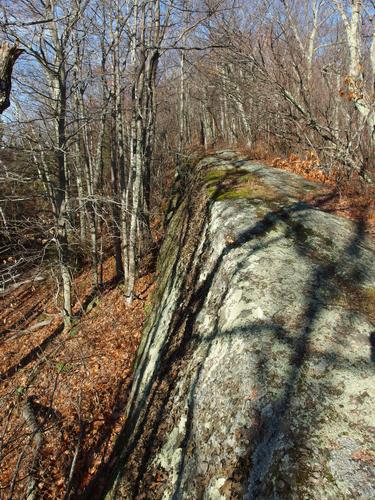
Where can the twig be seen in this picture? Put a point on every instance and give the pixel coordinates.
(32, 328)
(29, 416)
(13, 483)
(76, 452)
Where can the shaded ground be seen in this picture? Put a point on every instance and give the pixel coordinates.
(75, 383)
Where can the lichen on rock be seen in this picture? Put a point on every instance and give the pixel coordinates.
(255, 376)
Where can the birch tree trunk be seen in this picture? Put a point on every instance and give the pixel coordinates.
(182, 110)
(58, 84)
(363, 102)
(136, 156)
(54, 62)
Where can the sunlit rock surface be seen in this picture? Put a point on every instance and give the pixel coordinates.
(255, 376)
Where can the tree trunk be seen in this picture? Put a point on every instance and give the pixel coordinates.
(8, 56)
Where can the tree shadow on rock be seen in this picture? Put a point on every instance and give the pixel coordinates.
(148, 421)
(148, 413)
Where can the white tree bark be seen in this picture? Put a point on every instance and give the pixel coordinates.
(354, 80)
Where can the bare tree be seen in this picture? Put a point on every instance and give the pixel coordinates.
(356, 92)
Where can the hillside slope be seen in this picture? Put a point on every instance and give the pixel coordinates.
(63, 393)
(255, 374)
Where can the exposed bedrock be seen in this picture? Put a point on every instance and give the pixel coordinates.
(255, 375)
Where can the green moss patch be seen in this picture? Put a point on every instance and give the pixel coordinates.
(225, 184)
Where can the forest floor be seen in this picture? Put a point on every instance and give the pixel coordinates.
(351, 198)
(63, 393)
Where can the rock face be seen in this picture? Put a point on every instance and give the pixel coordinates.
(255, 376)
